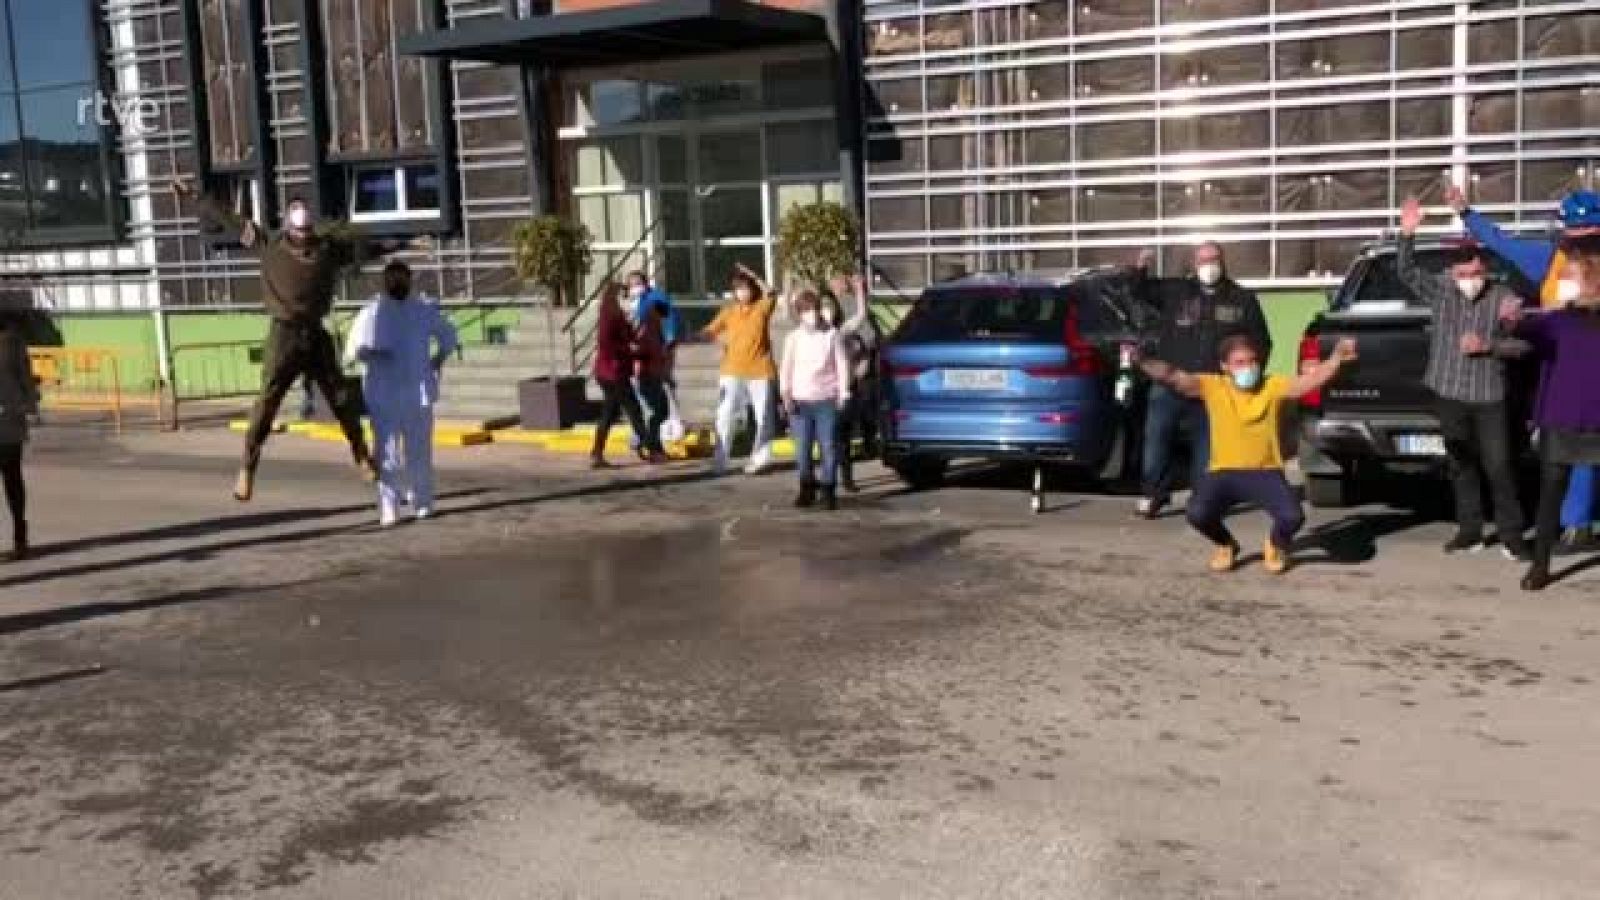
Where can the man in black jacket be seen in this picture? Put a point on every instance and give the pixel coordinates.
(1196, 313)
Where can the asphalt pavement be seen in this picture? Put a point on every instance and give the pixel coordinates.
(653, 683)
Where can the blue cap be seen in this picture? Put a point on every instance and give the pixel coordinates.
(1581, 209)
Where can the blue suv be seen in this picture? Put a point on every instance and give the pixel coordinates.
(1030, 368)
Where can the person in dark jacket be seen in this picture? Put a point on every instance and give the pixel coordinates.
(19, 399)
(1466, 373)
(299, 272)
(1195, 315)
(614, 352)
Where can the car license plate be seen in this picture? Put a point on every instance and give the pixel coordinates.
(1420, 444)
(975, 379)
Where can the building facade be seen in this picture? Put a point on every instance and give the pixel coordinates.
(969, 135)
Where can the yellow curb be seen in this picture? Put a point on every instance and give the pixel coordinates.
(302, 427)
(524, 437)
(450, 437)
(240, 426)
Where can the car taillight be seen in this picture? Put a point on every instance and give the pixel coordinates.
(1058, 418)
(895, 373)
(1310, 357)
(1082, 357)
(1050, 371)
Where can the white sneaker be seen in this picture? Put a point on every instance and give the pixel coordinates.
(1144, 506)
(423, 512)
(387, 519)
(754, 467)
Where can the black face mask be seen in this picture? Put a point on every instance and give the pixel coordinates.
(400, 291)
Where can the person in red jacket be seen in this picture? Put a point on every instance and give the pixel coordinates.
(614, 353)
(653, 361)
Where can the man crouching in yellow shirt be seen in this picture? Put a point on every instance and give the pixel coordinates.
(1246, 459)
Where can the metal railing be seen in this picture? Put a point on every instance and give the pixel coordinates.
(220, 370)
(577, 344)
(89, 379)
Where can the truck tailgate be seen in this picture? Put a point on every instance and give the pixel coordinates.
(1392, 356)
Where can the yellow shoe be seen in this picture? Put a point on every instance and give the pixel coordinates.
(1275, 560)
(1224, 558)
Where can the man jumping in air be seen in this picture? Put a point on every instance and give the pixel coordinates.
(299, 271)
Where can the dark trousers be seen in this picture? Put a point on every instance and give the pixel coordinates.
(653, 391)
(1168, 414)
(1562, 455)
(618, 400)
(295, 350)
(1219, 492)
(851, 421)
(1478, 441)
(16, 488)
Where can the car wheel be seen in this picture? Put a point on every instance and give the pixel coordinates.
(1330, 491)
(919, 474)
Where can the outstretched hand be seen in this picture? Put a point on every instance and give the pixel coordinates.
(1345, 350)
(1456, 198)
(1511, 309)
(1410, 216)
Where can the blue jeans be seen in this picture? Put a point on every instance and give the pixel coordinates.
(813, 424)
(1167, 413)
(1578, 509)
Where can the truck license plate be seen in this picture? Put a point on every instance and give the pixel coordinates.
(1420, 444)
(974, 379)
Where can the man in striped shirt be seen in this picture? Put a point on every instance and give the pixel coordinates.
(1466, 372)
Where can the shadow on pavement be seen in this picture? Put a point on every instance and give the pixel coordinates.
(1354, 539)
(39, 681)
(66, 615)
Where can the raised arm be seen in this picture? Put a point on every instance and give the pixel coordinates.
(718, 324)
(1531, 257)
(1314, 378)
(1430, 290)
(213, 214)
(1171, 376)
(858, 318)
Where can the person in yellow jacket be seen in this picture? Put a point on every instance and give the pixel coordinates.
(748, 370)
(1542, 262)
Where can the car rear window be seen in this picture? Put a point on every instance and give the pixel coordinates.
(1027, 315)
(1380, 287)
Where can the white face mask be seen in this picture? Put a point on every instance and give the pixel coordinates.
(636, 291)
(299, 218)
(1568, 291)
(1208, 273)
(743, 295)
(827, 316)
(1470, 287)
(809, 318)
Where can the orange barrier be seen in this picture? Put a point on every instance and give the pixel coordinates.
(85, 378)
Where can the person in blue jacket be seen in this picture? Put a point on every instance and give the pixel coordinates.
(1542, 262)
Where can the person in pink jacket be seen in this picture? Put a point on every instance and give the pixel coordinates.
(814, 381)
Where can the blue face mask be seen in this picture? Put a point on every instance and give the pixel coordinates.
(1246, 379)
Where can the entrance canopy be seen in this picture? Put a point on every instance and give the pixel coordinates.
(658, 29)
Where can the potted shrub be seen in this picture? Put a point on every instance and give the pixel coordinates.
(818, 241)
(552, 254)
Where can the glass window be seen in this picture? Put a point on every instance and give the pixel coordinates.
(949, 31)
(801, 148)
(1215, 196)
(1424, 48)
(952, 152)
(672, 159)
(422, 186)
(674, 215)
(1559, 109)
(1047, 18)
(376, 97)
(800, 84)
(1116, 140)
(894, 37)
(889, 98)
(897, 214)
(1496, 114)
(726, 97)
(1422, 117)
(393, 192)
(609, 161)
(1105, 16)
(1351, 54)
(1050, 207)
(1546, 181)
(1045, 84)
(64, 170)
(730, 156)
(947, 92)
(1346, 123)
(900, 273)
(952, 212)
(1046, 145)
(1494, 41)
(1244, 64)
(1332, 191)
(612, 102)
(1212, 10)
(679, 274)
(1035, 315)
(666, 102)
(721, 262)
(889, 155)
(1215, 132)
(1117, 203)
(1122, 75)
(1558, 37)
(728, 212)
(1426, 183)
(1494, 182)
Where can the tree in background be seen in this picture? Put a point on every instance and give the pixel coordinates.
(817, 242)
(553, 253)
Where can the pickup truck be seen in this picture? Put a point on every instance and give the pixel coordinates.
(1376, 418)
